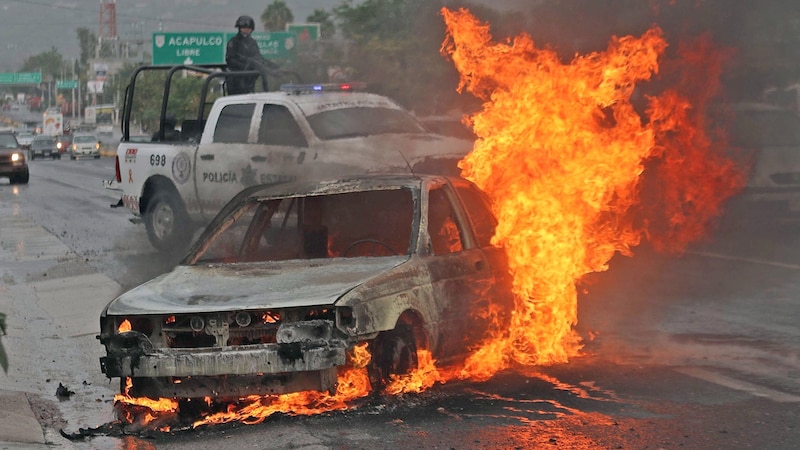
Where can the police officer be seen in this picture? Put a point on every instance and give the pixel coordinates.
(242, 53)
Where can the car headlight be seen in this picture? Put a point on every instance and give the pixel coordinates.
(16, 157)
(58, 145)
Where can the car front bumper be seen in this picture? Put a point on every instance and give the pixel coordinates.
(227, 371)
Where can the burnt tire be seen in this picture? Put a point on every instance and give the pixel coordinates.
(394, 353)
(167, 222)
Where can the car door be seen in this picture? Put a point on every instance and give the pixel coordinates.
(460, 272)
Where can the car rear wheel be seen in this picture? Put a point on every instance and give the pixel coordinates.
(168, 225)
(394, 353)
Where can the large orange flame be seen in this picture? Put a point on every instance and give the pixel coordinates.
(562, 152)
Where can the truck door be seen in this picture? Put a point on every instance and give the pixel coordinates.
(220, 159)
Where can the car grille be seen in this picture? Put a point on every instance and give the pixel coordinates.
(221, 329)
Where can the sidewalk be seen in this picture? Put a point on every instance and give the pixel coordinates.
(52, 300)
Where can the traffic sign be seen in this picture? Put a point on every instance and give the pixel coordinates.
(273, 45)
(20, 78)
(189, 48)
(67, 84)
(304, 31)
(209, 47)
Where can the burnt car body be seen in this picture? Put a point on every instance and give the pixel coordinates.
(12, 159)
(289, 277)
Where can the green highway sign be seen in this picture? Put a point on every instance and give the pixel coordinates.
(67, 84)
(209, 47)
(273, 45)
(20, 78)
(189, 48)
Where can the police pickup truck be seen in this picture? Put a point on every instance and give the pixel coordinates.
(188, 171)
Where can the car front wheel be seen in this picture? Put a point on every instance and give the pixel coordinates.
(168, 225)
(394, 353)
(21, 178)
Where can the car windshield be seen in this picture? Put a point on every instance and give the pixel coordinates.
(358, 224)
(7, 141)
(361, 121)
(44, 141)
(767, 128)
(84, 139)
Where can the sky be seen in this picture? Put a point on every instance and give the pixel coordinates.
(30, 27)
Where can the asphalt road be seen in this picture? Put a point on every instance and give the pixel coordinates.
(696, 351)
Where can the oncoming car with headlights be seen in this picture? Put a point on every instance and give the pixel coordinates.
(12, 159)
(288, 278)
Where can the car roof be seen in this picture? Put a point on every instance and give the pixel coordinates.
(314, 102)
(340, 185)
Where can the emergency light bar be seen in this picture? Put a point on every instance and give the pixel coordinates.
(324, 87)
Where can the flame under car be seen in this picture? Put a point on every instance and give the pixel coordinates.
(288, 278)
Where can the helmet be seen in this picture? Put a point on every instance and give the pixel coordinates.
(245, 22)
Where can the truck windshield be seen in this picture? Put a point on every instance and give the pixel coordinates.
(360, 121)
(7, 141)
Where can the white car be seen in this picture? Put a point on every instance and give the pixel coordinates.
(769, 139)
(84, 145)
(25, 139)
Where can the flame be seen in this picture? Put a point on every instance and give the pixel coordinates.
(564, 154)
(419, 380)
(124, 326)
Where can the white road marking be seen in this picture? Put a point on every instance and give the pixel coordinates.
(747, 260)
(739, 385)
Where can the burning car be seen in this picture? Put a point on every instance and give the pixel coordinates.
(288, 278)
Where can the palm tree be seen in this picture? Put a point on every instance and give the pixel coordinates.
(276, 16)
(327, 28)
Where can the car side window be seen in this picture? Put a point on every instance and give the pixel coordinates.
(443, 229)
(233, 125)
(278, 127)
(477, 206)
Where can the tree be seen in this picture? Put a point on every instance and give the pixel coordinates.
(276, 16)
(50, 63)
(88, 43)
(327, 29)
(394, 45)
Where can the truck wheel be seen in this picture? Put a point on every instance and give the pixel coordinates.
(168, 225)
(394, 353)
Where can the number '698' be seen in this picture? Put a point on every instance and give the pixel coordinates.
(158, 160)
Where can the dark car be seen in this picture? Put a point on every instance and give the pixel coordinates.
(44, 147)
(12, 159)
(289, 278)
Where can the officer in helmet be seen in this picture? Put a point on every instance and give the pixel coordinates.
(242, 53)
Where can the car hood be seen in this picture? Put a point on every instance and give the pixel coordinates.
(399, 151)
(231, 287)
